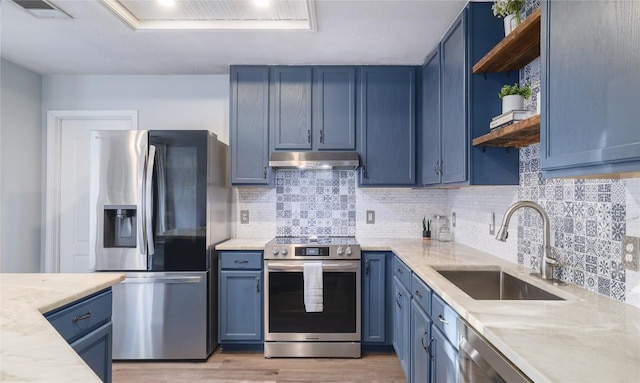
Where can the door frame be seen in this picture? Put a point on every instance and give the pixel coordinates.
(51, 225)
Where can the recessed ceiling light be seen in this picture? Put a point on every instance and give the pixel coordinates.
(167, 3)
(261, 3)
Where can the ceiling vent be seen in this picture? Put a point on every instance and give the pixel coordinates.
(219, 14)
(42, 9)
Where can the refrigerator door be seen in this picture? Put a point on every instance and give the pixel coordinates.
(161, 316)
(118, 160)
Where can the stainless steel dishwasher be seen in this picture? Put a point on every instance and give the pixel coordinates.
(480, 362)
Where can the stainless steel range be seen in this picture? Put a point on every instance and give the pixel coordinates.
(291, 330)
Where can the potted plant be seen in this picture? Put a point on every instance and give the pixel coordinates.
(513, 96)
(510, 10)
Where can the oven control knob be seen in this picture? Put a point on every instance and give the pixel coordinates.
(348, 250)
(275, 251)
(339, 251)
(284, 251)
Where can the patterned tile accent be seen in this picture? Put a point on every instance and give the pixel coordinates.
(318, 202)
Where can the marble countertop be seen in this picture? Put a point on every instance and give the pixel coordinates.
(585, 338)
(31, 350)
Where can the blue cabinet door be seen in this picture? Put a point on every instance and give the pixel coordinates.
(291, 107)
(445, 358)
(249, 121)
(95, 349)
(386, 111)
(334, 108)
(431, 119)
(420, 338)
(402, 326)
(589, 86)
(455, 140)
(240, 311)
(374, 326)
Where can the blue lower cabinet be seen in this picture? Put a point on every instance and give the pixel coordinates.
(374, 303)
(420, 348)
(95, 350)
(240, 311)
(445, 358)
(86, 325)
(402, 326)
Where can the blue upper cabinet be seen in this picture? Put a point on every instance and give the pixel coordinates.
(249, 119)
(431, 119)
(386, 111)
(463, 105)
(590, 62)
(334, 108)
(291, 108)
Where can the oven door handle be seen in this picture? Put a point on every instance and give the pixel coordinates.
(475, 356)
(325, 267)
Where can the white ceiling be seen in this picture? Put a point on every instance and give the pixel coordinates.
(348, 32)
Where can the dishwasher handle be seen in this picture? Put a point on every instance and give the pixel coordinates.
(475, 356)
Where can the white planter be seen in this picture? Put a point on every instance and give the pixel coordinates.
(510, 23)
(513, 102)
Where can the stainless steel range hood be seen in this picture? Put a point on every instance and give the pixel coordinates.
(314, 160)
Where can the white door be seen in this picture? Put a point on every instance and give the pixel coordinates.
(71, 220)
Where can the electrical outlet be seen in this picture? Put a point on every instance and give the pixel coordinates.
(630, 252)
(244, 217)
(453, 219)
(371, 216)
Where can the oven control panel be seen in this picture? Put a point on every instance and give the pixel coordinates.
(312, 251)
(278, 249)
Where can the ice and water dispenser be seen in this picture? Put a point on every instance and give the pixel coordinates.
(120, 226)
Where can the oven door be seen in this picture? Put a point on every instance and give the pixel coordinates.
(285, 315)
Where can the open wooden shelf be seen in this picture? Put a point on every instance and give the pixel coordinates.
(520, 134)
(516, 50)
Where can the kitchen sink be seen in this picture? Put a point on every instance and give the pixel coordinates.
(496, 285)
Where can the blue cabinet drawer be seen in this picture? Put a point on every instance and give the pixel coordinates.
(445, 319)
(421, 294)
(78, 319)
(241, 260)
(402, 272)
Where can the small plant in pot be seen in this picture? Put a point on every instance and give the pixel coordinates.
(513, 96)
(510, 10)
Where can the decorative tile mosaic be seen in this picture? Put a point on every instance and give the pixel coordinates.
(315, 202)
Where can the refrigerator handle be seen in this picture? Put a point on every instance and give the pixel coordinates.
(148, 202)
(142, 245)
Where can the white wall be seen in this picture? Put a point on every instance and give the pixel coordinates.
(20, 169)
(163, 102)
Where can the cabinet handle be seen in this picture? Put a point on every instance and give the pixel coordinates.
(364, 171)
(417, 293)
(366, 267)
(322, 136)
(429, 348)
(84, 317)
(257, 284)
(241, 261)
(397, 301)
(441, 319)
(264, 174)
(308, 135)
(426, 348)
(440, 167)
(435, 168)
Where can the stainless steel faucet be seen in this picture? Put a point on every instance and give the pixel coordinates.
(548, 262)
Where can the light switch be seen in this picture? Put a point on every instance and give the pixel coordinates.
(371, 216)
(244, 217)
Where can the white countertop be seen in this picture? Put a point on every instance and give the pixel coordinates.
(586, 338)
(31, 350)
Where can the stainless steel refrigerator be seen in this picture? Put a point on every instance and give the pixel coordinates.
(159, 203)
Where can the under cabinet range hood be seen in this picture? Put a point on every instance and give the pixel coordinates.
(314, 160)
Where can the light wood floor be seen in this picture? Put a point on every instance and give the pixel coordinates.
(223, 367)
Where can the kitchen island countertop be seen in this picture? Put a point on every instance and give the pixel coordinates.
(31, 350)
